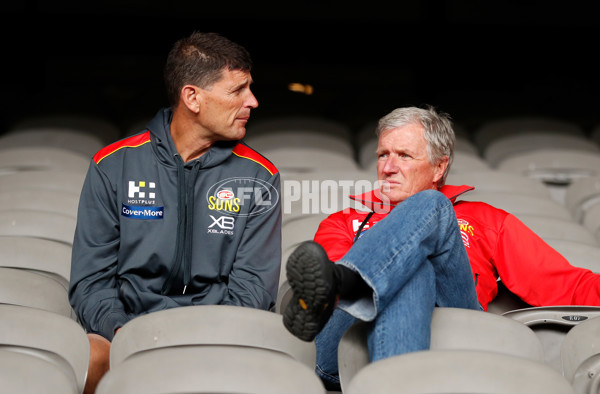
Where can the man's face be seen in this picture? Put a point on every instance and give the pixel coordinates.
(403, 166)
(226, 105)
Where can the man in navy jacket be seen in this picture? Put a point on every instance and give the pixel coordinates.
(183, 213)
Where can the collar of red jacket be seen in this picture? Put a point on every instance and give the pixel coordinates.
(374, 202)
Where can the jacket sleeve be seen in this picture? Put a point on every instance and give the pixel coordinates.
(254, 278)
(537, 273)
(93, 290)
(334, 236)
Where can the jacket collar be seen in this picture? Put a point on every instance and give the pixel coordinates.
(374, 202)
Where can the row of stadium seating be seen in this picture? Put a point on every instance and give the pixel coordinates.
(547, 177)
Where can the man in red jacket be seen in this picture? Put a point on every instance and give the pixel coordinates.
(416, 248)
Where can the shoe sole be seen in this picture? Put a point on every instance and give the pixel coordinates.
(303, 315)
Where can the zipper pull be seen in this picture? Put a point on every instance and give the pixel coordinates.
(184, 287)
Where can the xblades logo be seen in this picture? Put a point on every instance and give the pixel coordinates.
(221, 225)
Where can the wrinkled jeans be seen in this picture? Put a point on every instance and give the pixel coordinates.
(413, 260)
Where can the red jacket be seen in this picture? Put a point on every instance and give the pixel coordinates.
(498, 245)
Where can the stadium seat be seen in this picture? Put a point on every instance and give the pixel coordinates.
(64, 203)
(553, 166)
(494, 129)
(48, 336)
(577, 253)
(507, 146)
(591, 220)
(451, 329)
(76, 141)
(293, 232)
(549, 228)
(551, 324)
(467, 162)
(96, 126)
(41, 158)
(458, 371)
(57, 180)
(209, 325)
(323, 192)
(519, 204)
(580, 356)
(303, 144)
(38, 255)
(46, 225)
(582, 194)
(24, 373)
(31, 289)
(491, 181)
(211, 369)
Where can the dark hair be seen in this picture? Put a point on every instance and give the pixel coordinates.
(199, 60)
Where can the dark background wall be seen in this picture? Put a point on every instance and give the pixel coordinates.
(474, 59)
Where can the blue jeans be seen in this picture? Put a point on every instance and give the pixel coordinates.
(413, 260)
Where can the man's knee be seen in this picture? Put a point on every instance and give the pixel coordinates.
(99, 361)
(99, 350)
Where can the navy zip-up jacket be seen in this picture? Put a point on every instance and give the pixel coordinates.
(154, 233)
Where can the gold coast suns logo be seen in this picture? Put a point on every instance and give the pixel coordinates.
(242, 196)
(224, 200)
(466, 232)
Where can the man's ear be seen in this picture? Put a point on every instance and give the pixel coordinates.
(440, 168)
(190, 96)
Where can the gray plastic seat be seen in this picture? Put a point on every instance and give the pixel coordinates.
(48, 336)
(96, 126)
(553, 166)
(31, 289)
(580, 356)
(591, 220)
(550, 228)
(211, 369)
(582, 194)
(507, 146)
(55, 180)
(498, 181)
(495, 129)
(65, 203)
(323, 192)
(39, 255)
(22, 159)
(551, 324)
(209, 325)
(38, 224)
(458, 371)
(519, 204)
(24, 373)
(303, 143)
(77, 141)
(451, 328)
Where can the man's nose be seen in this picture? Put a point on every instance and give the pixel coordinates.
(251, 101)
(390, 166)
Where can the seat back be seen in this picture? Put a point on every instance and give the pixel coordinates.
(580, 356)
(209, 325)
(25, 373)
(458, 371)
(29, 288)
(39, 255)
(211, 369)
(48, 336)
(551, 324)
(451, 328)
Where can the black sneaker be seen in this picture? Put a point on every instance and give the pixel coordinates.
(311, 276)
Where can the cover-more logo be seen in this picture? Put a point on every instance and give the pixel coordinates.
(242, 196)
